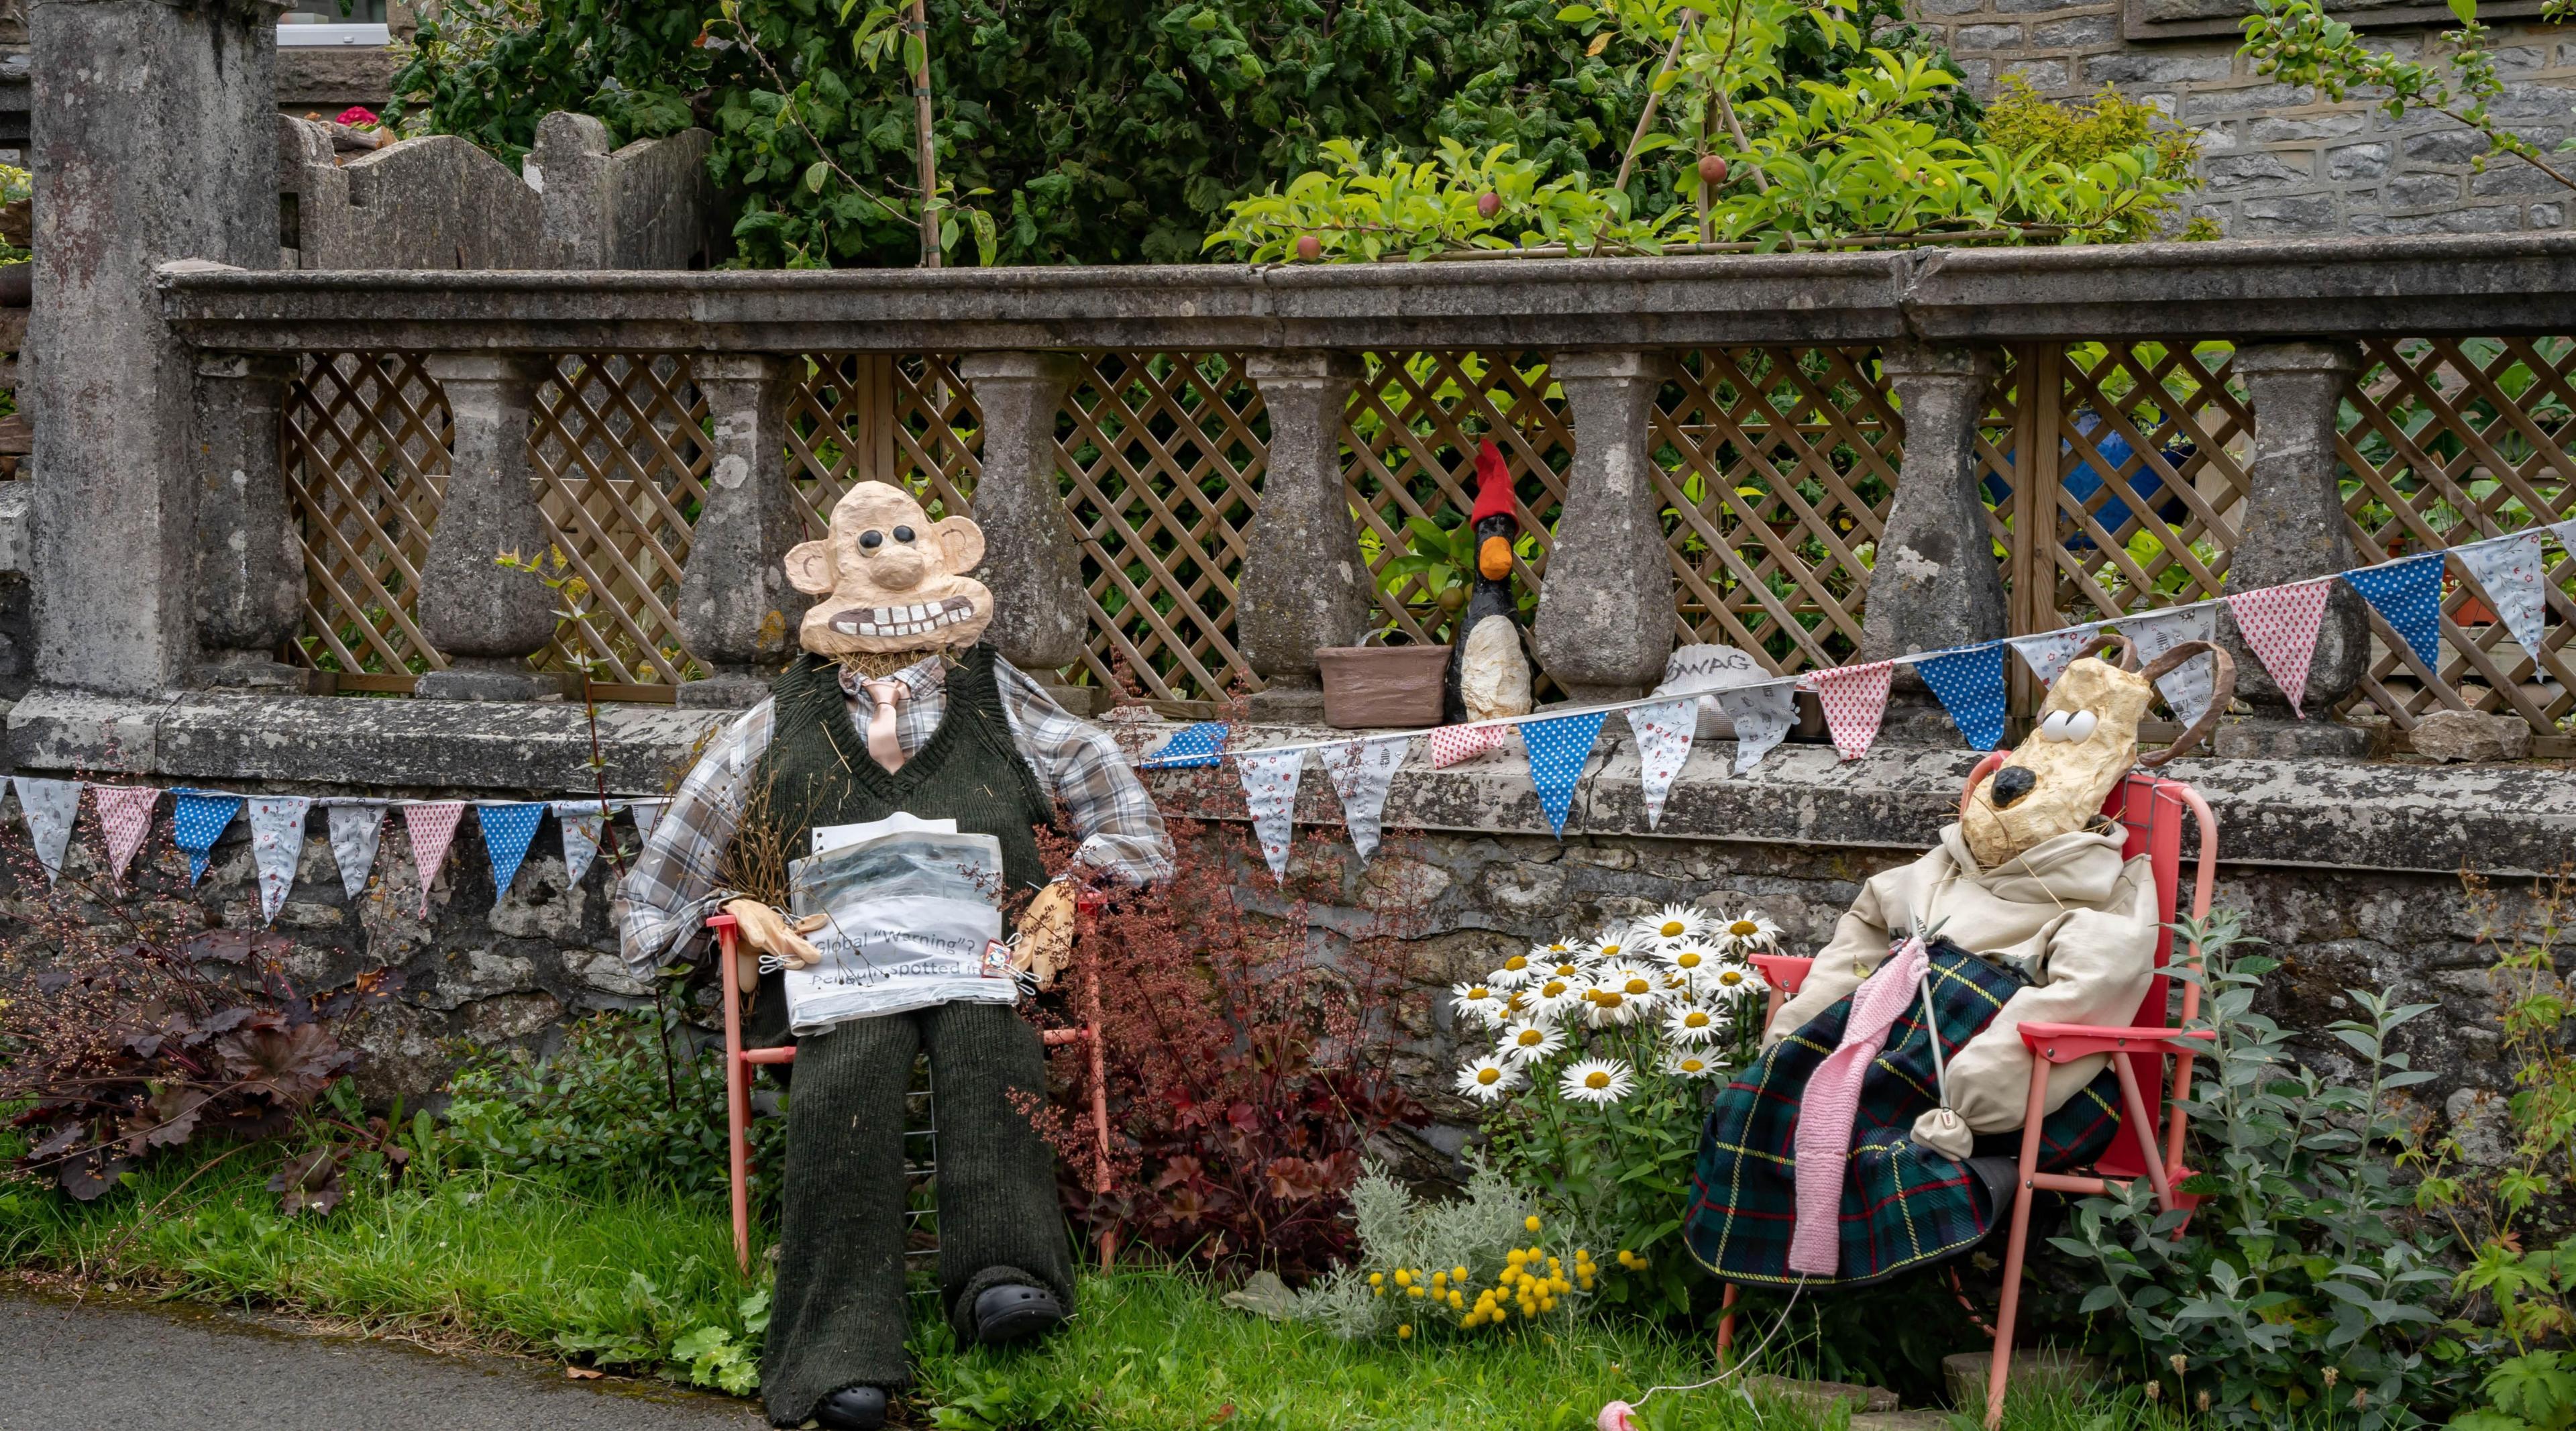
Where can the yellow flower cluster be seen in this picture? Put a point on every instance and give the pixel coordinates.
(1531, 1284)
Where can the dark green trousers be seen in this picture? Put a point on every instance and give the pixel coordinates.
(838, 1315)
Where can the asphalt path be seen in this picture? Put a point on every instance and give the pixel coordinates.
(67, 1366)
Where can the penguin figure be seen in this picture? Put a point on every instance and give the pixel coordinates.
(1488, 675)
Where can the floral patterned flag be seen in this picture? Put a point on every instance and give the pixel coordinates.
(1855, 701)
(1361, 771)
(1663, 743)
(276, 845)
(2509, 573)
(126, 812)
(2566, 532)
(197, 819)
(1193, 747)
(508, 830)
(432, 825)
(356, 828)
(2279, 624)
(1762, 716)
(1270, 797)
(2408, 595)
(1970, 684)
(1557, 749)
(582, 823)
(2049, 653)
(2191, 686)
(1453, 743)
(50, 807)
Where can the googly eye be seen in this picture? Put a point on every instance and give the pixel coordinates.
(903, 534)
(871, 540)
(2079, 726)
(2053, 726)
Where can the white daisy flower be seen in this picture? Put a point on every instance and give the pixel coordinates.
(1691, 960)
(1637, 981)
(1488, 1078)
(1729, 981)
(1617, 944)
(1612, 1006)
(1750, 931)
(1675, 924)
(1552, 996)
(1598, 1080)
(1477, 1004)
(1691, 1024)
(1689, 1063)
(1515, 973)
(1527, 1043)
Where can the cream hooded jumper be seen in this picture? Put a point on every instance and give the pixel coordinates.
(2069, 911)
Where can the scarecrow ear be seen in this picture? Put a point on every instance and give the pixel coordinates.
(961, 542)
(809, 567)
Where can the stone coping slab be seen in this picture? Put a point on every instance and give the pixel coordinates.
(2245, 290)
(2517, 819)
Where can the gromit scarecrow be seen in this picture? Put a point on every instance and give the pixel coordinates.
(895, 708)
(1853, 1149)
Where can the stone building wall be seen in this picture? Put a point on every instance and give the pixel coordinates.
(2282, 161)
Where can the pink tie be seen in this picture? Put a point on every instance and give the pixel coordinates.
(1822, 1138)
(881, 742)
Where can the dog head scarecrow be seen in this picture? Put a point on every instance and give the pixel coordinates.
(2085, 744)
(888, 579)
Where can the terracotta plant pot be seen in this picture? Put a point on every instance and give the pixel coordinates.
(1377, 686)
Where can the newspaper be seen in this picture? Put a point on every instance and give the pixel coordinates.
(916, 920)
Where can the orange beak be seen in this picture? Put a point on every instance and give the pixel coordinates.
(1494, 558)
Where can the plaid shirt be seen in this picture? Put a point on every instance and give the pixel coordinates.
(673, 886)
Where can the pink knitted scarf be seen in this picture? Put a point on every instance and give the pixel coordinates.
(1831, 1104)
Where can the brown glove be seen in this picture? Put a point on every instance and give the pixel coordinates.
(1045, 943)
(765, 931)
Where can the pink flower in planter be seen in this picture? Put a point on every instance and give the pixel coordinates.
(358, 114)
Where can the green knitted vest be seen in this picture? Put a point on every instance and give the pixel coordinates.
(817, 770)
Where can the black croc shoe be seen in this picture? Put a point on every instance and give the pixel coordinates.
(1015, 1312)
(852, 1408)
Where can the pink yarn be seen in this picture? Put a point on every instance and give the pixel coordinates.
(1831, 1104)
(1616, 1417)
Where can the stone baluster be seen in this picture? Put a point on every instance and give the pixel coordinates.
(486, 619)
(1934, 582)
(1304, 584)
(1032, 554)
(249, 568)
(736, 608)
(2291, 528)
(1605, 607)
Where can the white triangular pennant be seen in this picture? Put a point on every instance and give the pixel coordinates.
(2049, 653)
(648, 813)
(2566, 533)
(276, 844)
(1762, 717)
(1270, 797)
(1361, 771)
(2509, 573)
(2191, 686)
(581, 821)
(50, 807)
(355, 830)
(1663, 743)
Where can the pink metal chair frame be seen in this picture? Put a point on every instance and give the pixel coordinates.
(739, 1061)
(2152, 810)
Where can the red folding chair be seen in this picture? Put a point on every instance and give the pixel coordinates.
(2152, 810)
(739, 1062)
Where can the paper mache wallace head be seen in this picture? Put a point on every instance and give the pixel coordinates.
(887, 579)
(2085, 743)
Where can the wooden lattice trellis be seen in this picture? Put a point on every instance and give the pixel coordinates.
(2116, 487)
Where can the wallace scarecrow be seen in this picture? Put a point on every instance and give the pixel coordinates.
(895, 707)
(1852, 1150)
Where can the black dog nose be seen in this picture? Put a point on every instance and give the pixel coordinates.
(2011, 783)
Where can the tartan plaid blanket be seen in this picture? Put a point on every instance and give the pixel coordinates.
(1903, 1205)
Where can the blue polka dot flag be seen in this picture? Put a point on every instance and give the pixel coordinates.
(198, 819)
(1196, 745)
(1557, 749)
(1970, 684)
(507, 829)
(2409, 594)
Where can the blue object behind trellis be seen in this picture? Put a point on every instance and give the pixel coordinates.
(2408, 594)
(1970, 684)
(1557, 749)
(507, 829)
(197, 821)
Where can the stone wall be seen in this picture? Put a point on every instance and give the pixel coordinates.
(2281, 160)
